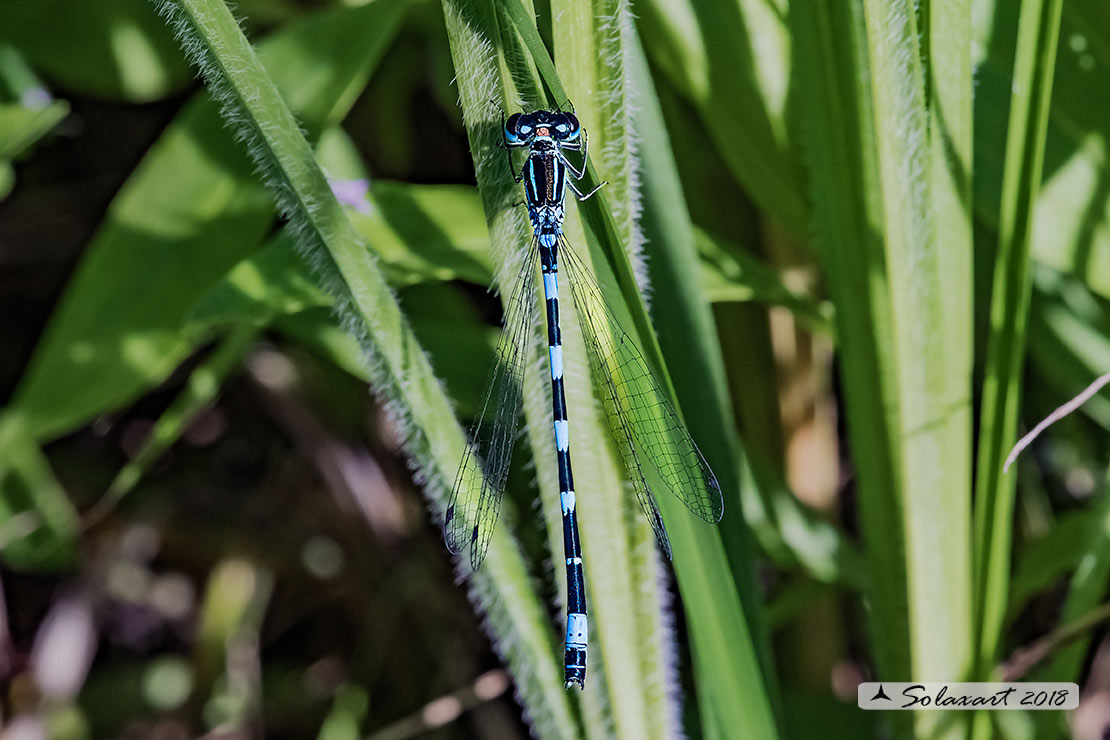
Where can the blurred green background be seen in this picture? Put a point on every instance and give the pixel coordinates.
(865, 245)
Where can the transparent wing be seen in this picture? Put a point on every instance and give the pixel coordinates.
(480, 483)
(655, 444)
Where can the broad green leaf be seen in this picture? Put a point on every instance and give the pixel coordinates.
(427, 232)
(421, 232)
(317, 330)
(272, 281)
(459, 343)
(115, 49)
(191, 210)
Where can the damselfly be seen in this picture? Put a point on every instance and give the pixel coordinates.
(655, 445)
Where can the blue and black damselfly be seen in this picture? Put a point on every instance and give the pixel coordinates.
(653, 441)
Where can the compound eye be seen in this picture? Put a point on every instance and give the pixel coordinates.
(512, 129)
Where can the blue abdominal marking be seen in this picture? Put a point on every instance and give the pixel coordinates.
(651, 437)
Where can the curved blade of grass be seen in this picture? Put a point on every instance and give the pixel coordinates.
(399, 369)
(686, 331)
(723, 640)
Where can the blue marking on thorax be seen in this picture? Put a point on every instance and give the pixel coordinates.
(545, 191)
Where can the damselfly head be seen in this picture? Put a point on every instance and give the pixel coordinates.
(522, 128)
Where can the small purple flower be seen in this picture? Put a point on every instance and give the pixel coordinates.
(36, 98)
(352, 193)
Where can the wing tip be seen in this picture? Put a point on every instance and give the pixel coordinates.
(716, 498)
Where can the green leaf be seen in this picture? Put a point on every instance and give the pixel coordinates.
(191, 210)
(925, 234)
(27, 113)
(346, 715)
(272, 281)
(427, 232)
(115, 49)
(1068, 339)
(1042, 562)
(687, 337)
(1071, 224)
(459, 343)
(994, 490)
(839, 137)
(732, 60)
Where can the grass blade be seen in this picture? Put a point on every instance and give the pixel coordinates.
(732, 60)
(922, 186)
(721, 621)
(994, 490)
(1034, 67)
(840, 144)
(399, 368)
